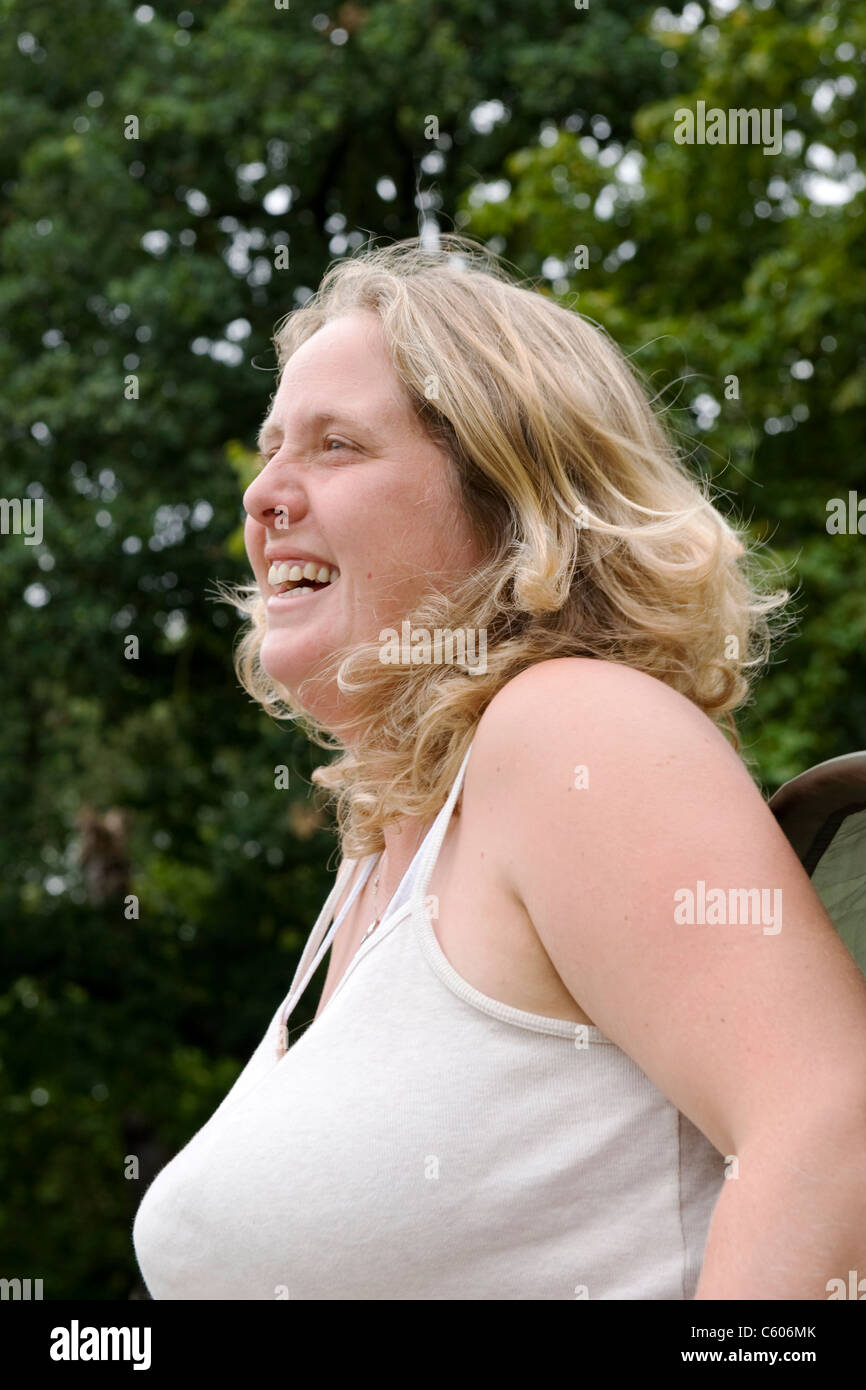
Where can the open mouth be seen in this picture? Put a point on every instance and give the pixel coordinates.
(285, 578)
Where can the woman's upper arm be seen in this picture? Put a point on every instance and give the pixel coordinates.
(617, 800)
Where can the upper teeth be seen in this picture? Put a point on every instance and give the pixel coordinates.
(321, 574)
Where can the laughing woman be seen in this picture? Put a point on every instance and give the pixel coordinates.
(539, 1068)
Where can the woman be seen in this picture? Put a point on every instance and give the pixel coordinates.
(565, 1048)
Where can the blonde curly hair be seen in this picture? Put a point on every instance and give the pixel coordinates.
(598, 541)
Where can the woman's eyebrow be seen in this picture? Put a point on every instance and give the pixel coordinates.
(270, 429)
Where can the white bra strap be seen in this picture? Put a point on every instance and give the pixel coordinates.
(437, 835)
(315, 946)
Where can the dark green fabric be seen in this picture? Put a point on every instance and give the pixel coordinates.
(840, 881)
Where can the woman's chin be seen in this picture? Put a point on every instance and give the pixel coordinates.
(292, 664)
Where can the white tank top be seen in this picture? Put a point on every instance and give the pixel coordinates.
(421, 1140)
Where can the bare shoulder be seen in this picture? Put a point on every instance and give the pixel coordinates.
(585, 679)
(598, 750)
(555, 715)
(619, 808)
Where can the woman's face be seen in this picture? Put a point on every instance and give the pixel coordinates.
(354, 486)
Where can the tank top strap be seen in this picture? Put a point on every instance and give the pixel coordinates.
(436, 836)
(320, 938)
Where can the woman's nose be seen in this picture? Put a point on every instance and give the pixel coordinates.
(273, 500)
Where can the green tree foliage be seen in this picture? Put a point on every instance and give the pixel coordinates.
(173, 182)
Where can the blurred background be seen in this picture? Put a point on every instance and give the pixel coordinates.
(173, 181)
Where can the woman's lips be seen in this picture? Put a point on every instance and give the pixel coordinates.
(301, 595)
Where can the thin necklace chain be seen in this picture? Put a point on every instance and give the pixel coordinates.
(376, 915)
(375, 922)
